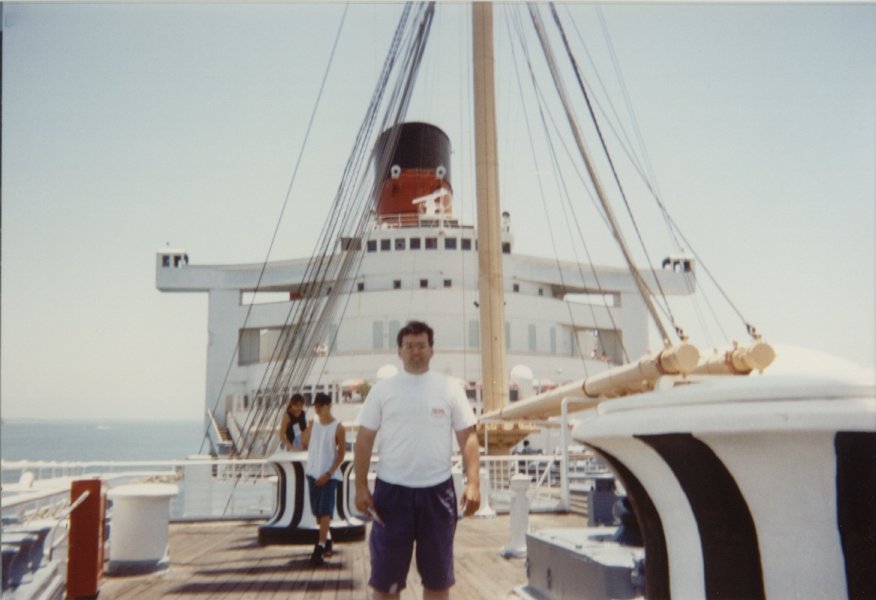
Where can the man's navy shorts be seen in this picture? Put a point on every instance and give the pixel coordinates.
(426, 516)
(322, 497)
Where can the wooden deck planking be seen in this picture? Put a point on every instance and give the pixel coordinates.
(224, 560)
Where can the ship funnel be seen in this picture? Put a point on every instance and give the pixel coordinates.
(416, 178)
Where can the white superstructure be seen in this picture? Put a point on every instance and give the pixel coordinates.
(558, 337)
(563, 320)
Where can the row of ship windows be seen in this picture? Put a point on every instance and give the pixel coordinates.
(257, 345)
(429, 243)
(424, 284)
(397, 285)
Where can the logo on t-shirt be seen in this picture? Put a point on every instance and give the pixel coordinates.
(438, 412)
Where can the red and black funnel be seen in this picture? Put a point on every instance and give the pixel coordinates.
(416, 180)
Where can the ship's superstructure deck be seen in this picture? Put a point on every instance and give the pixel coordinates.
(225, 560)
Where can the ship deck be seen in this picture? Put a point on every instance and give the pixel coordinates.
(225, 560)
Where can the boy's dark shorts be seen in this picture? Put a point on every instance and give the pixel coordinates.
(426, 516)
(322, 498)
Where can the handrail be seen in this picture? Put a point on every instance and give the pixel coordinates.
(60, 516)
(74, 505)
(533, 492)
(24, 464)
(13, 501)
(565, 496)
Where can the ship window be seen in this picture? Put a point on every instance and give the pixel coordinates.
(377, 335)
(540, 291)
(165, 261)
(532, 338)
(424, 283)
(400, 243)
(466, 243)
(385, 245)
(396, 284)
(348, 243)
(447, 283)
(474, 334)
(392, 334)
(450, 243)
(516, 287)
(371, 246)
(248, 348)
(360, 287)
(415, 244)
(431, 243)
(506, 247)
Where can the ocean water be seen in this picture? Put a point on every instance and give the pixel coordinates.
(100, 440)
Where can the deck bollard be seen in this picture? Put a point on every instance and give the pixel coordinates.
(141, 517)
(519, 518)
(485, 510)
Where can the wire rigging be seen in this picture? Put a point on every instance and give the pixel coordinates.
(611, 164)
(286, 199)
(542, 108)
(327, 276)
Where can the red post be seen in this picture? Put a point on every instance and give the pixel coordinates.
(85, 548)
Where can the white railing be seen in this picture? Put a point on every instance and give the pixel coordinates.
(209, 489)
(235, 489)
(545, 472)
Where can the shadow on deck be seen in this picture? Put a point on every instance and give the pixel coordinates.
(224, 560)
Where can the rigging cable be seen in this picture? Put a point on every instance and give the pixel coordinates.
(541, 108)
(678, 330)
(292, 338)
(637, 277)
(650, 179)
(330, 267)
(279, 218)
(571, 217)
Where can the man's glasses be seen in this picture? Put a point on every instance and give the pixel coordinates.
(415, 346)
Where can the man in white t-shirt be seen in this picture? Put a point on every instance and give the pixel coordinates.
(416, 412)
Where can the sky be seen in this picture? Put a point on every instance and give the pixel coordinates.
(129, 128)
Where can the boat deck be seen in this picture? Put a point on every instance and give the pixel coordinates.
(225, 560)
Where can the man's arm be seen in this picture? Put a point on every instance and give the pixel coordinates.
(361, 465)
(471, 460)
(284, 424)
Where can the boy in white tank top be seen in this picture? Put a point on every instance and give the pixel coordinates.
(326, 444)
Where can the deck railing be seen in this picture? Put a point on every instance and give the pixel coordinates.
(235, 489)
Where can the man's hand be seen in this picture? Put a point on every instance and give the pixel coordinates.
(471, 495)
(364, 500)
(471, 498)
(323, 479)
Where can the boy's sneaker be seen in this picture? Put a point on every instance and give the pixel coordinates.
(328, 548)
(316, 559)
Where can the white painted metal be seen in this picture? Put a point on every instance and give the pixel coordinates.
(519, 518)
(775, 436)
(140, 521)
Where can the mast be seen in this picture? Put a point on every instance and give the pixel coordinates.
(492, 306)
(495, 437)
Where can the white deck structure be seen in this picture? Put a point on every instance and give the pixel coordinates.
(558, 325)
